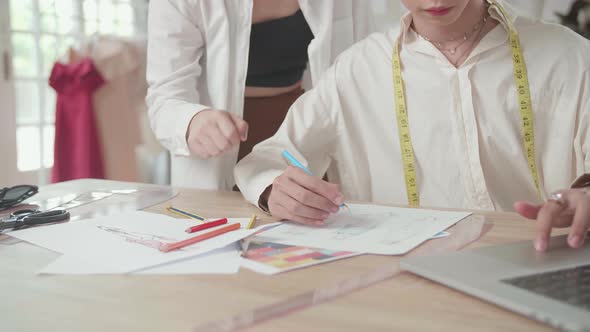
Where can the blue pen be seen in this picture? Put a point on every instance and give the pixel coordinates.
(296, 163)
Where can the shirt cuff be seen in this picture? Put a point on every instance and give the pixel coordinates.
(582, 181)
(183, 114)
(254, 187)
(263, 201)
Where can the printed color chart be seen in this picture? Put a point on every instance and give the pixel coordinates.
(284, 257)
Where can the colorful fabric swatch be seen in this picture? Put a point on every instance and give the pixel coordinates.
(281, 257)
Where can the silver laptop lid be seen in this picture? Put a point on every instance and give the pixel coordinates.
(553, 287)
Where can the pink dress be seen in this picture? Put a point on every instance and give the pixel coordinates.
(77, 151)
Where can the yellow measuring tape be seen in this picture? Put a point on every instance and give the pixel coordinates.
(403, 128)
(524, 99)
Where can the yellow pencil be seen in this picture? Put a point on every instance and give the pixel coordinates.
(252, 222)
(245, 243)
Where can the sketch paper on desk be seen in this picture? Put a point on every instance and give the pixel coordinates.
(368, 229)
(226, 260)
(128, 241)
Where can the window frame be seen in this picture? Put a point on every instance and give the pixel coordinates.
(11, 124)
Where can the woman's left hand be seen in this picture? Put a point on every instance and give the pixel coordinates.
(564, 208)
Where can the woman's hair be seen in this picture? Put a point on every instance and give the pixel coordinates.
(578, 17)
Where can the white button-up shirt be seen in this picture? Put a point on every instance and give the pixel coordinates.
(464, 122)
(198, 59)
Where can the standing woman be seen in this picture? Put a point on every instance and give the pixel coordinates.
(222, 74)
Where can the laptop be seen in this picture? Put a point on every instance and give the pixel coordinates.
(552, 287)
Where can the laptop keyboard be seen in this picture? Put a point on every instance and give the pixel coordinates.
(570, 285)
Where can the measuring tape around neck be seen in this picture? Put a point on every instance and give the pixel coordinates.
(525, 106)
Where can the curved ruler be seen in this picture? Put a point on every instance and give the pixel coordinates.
(464, 233)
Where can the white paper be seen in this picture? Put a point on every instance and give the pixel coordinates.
(220, 261)
(441, 234)
(368, 229)
(128, 241)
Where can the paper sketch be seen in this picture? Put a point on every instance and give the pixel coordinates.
(125, 242)
(148, 240)
(353, 228)
(368, 229)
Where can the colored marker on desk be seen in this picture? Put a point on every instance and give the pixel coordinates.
(296, 163)
(185, 213)
(181, 244)
(252, 222)
(206, 225)
(245, 243)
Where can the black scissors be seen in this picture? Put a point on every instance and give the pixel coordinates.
(26, 218)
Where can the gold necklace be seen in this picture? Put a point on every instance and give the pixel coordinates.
(469, 49)
(475, 30)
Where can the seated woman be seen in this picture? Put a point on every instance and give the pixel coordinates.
(469, 106)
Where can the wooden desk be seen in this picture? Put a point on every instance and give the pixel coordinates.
(182, 303)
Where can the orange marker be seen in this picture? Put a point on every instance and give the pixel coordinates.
(181, 244)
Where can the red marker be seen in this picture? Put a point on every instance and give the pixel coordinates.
(216, 232)
(206, 225)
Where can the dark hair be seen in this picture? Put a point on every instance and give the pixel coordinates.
(572, 18)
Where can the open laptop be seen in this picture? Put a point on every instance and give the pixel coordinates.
(552, 287)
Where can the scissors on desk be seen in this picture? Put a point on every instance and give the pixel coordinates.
(25, 218)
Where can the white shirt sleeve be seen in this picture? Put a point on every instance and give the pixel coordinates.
(175, 47)
(309, 133)
(582, 140)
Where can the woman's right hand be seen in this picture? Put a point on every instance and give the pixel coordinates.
(300, 197)
(213, 132)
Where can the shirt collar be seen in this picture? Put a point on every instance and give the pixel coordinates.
(498, 36)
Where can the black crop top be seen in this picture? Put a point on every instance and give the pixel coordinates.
(278, 51)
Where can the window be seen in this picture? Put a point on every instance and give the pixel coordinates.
(40, 32)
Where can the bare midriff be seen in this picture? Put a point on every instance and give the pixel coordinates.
(256, 91)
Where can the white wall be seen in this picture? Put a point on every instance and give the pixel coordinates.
(387, 13)
(544, 9)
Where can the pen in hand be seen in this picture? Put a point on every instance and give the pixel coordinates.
(296, 163)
